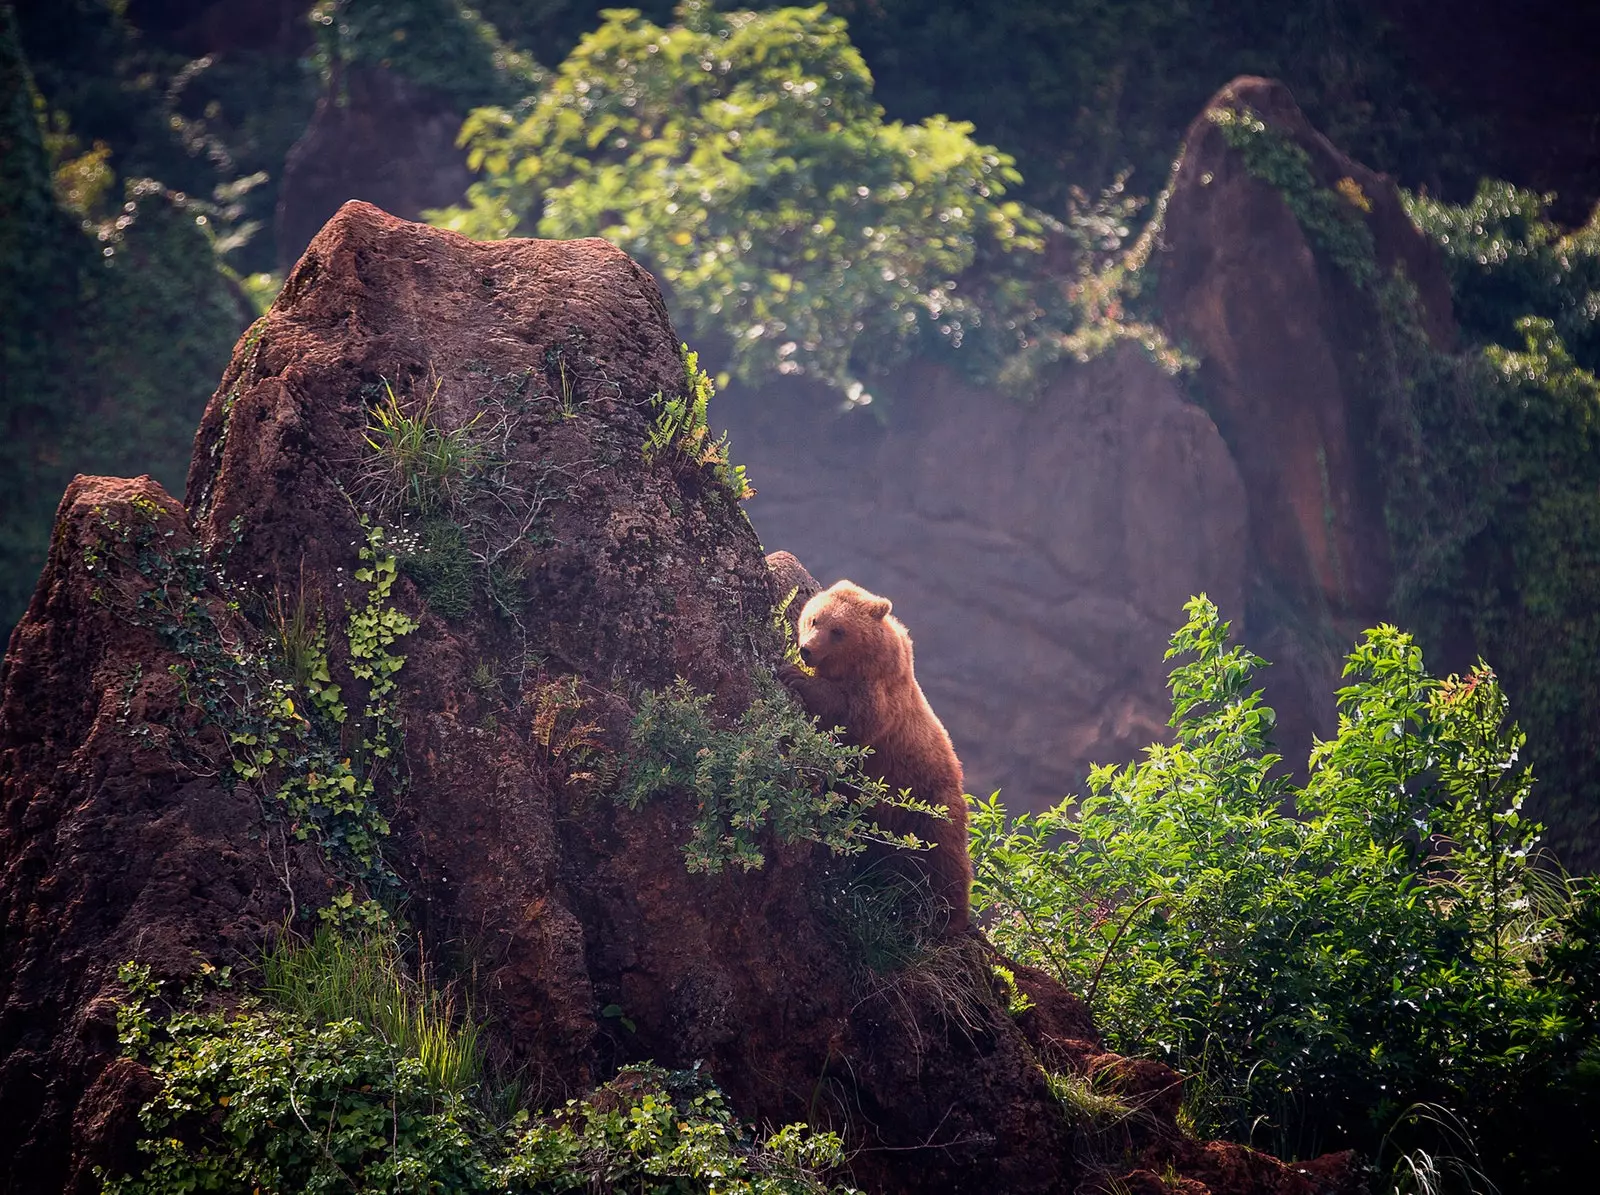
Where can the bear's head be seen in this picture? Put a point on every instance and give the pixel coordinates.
(847, 632)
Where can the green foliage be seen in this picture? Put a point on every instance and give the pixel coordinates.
(1017, 1000)
(298, 755)
(1081, 90)
(467, 509)
(362, 976)
(1318, 956)
(1507, 261)
(665, 1132)
(351, 1077)
(772, 769)
(276, 701)
(741, 156)
(1331, 217)
(111, 341)
(680, 428)
(1491, 462)
(1084, 1103)
(888, 916)
(443, 46)
(437, 557)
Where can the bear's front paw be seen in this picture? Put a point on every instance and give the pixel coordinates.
(793, 676)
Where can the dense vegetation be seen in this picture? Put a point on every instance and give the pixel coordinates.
(115, 319)
(1492, 479)
(742, 156)
(349, 1072)
(1377, 957)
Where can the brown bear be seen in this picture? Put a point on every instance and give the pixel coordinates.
(864, 683)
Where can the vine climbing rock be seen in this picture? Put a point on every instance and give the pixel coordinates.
(541, 587)
(118, 838)
(1269, 266)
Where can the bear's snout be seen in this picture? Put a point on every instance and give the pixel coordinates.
(805, 654)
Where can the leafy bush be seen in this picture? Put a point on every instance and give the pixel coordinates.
(1507, 261)
(742, 157)
(772, 769)
(1491, 460)
(326, 1089)
(1317, 956)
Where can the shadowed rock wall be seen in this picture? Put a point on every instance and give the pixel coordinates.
(1039, 554)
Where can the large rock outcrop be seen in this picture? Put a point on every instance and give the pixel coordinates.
(1286, 340)
(119, 837)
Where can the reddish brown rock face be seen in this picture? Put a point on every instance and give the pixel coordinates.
(1284, 337)
(119, 839)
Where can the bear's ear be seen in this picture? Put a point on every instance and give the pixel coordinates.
(878, 607)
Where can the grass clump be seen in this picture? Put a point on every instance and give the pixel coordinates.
(436, 556)
(362, 976)
(416, 464)
(1083, 1101)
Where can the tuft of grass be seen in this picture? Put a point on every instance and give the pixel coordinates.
(300, 636)
(1451, 1165)
(437, 556)
(890, 917)
(1084, 1103)
(416, 464)
(361, 976)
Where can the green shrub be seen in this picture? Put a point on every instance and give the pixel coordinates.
(1491, 464)
(1508, 261)
(1317, 956)
(772, 769)
(335, 1084)
(115, 322)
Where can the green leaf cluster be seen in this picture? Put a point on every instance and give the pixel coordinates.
(347, 1078)
(771, 770)
(296, 754)
(1317, 955)
(1491, 458)
(680, 427)
(742, 157)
